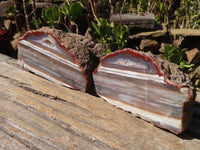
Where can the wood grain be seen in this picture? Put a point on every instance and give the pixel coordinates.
(37, 114)
(134, 20)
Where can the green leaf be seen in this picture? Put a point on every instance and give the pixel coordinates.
(76, 9)
(105, 33)
(173, 58)
(52, 16)
(96, 28)
(45, 18)
(37, 21)
(198, 22)
(11, 10)
(66, 8)
(174, 54)
(58, 14)
(104, 27)
(121, 32)
(126, 32)
(108, 51)
(157, 19)
(118, 31)
(112, 24)
(162, 8)
(184, 64)
(167, 48)
(181, 11)
(49, 14)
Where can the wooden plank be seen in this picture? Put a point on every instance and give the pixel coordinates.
(186, 32)
(8, 141)
(160, 33)
(38, 114)
(151, 34)
(4, 58)
(134, 20)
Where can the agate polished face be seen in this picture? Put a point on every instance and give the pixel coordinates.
(134, 82)
(41, 53)
(129, 79)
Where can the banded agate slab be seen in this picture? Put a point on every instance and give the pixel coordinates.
(134, 82)
(43, 54)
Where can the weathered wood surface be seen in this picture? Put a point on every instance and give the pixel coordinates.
(37, 114)
(134, 20)
(159, 33)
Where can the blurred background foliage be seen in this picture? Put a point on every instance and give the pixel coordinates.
(181, 13)
(92, 16)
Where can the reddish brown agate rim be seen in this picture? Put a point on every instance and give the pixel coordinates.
(146, 58)
(186, 118)
(39, 33)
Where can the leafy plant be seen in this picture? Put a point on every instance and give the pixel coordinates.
(110, 37)
(71, 12)
(162, 9)
(185, 66)
(188, 15)
(52, 16)
(121, 34)
(129, 6)
(176, 55)
(102, 32)
(142, 5)
(37, 22)
(68, 12)
(11, 10)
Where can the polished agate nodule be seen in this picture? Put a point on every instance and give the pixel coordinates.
(135, 82)
(60, 57)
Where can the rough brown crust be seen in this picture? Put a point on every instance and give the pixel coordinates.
(173, 73)
(87, 52)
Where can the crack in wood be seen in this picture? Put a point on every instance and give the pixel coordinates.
(63, 100)
(29, 89)
(13, 81)
(41, 93)
(67, 127)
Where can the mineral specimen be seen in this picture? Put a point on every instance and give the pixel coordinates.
(141, 83)
(65, 58)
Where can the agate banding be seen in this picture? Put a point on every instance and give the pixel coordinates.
(135, 82)
(149, 87)
(64, 58)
